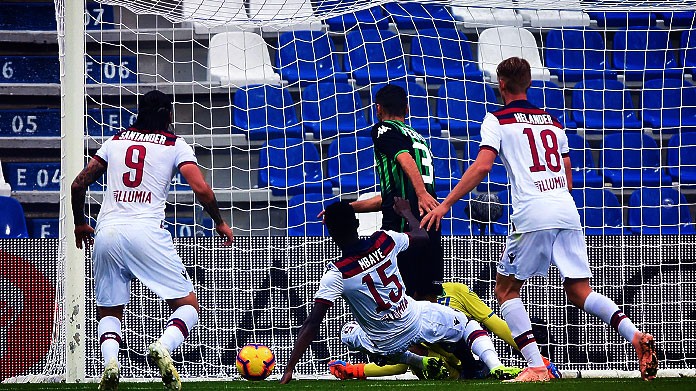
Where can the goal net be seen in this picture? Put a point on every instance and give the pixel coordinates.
(276, 97)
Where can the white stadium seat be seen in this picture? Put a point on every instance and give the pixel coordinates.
(474, 17)
(369, 222)
(538, 17)
(284, 15)
(210, 16)
(240, 59)
(497, 44)
(5, 189)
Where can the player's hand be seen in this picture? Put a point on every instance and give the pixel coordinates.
(401, 206)
(426, 203)
(83, 234)
(433, 218)
(287, 376)
(225, 231)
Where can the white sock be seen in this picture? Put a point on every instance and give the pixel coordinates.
(606, 310)
(481, 344)
(109, 330)
(517, 319)
(411, 359)
(178, 327)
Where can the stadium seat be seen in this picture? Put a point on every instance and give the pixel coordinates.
(442, 54)
(537, 16)
(185, 227)
(30, 123)
(223, 14)
(308, 56)
(5, 189)
(602, 106)
(577, 54)
(303, 210)
(12, 223)
(584, 169)
(644, 54)
(33, 176)
(370, 221)
(29, 69)
(632, 159)
(497, 179)
(688, 50)
(286, 15)
(240, 58)
(456, 221)
(678, 18)
(332, 108)
(475, 17)
(681, 158)
(351, 164)
(623, 19)
(414, 15)
(111, 69)
(107, 122)
(291, 166)
(41, 16)
(372, 18)
(264, 112)
(43, 228)
(600, 211)
(419, 113)
(497, 44)
(374, 56)
(461, 106)
(654, 211)
(445, 164)
(548, 96)
(669, 105)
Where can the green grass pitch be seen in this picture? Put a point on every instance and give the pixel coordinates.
(667, 384)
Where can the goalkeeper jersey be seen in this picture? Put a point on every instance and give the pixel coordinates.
(458, 296)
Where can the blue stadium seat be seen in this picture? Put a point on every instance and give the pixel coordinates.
(351, 164)
(185, 227)
(548, 96)
(12, 223)
(291, 166)
(111, 69)
(332, 108)
(497, 179)
(30, 123)
(43, 228)
(372, 18)
(645, 54)
(669, 105)
(266, 111)
(29, 69)
(414, 15)
(655, 211)
(24, 16)
(419, 116)
(33, 176)
(308, 56)
(445, 164)
(678, 18)
(632, 160)
(623, 19)
(602, 106)
(456, 221)
(688, 50)
(575, 55)
(461, 106)
(681, 158)
(584, 169)
(374, 56)
(441, 54)
(600, 211)
(302, 214)
(108, 122)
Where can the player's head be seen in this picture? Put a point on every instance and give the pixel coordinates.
(154, 111)
(514, 76)
(391, 101)
(341, 222)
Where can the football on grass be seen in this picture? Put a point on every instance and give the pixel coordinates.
(255, 361)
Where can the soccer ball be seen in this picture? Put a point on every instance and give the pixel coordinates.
(255, 361)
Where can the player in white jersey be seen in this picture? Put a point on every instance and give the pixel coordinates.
(390, 321)
(545, 223)
(130, 241)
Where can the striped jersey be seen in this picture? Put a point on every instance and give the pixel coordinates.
(392, 138)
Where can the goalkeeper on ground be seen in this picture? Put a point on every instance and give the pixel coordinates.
(458, 296)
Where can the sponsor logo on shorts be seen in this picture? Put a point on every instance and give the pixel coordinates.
(512, 257)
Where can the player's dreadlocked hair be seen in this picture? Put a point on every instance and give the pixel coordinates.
(341, 222)
(393, 100)
(516, 73)
(154, 112)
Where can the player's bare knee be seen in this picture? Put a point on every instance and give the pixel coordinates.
(577, 291)
(190, 299)
(116, 312)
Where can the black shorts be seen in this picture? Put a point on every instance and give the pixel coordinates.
(421, 266)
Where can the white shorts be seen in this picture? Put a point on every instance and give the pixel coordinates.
(531, 253)
(438, 324)
(124, 252)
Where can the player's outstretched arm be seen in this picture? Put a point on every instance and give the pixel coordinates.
(373, 204)
(308, 332)
(471, 178)
(94, 170)
(417, 235)
(206, 197)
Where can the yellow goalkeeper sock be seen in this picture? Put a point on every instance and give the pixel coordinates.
(498, 327)
(374, 370)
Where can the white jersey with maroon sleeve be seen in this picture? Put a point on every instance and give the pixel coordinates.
(532, 144)
(140, 168)
(368, 278)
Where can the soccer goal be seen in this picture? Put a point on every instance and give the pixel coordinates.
(276, 96)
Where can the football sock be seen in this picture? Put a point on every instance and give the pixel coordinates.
(498, 327)
(481, 344)
(517, 318)
(109, 330)
(606, 310)
(178, 327)
(411, 359)
(374, 370)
